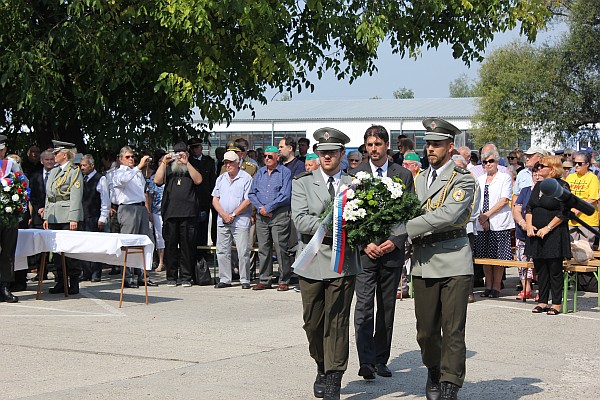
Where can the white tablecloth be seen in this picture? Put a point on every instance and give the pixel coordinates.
(87, 246)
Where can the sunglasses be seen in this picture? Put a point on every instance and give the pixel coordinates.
(568, 154)
(579, 163)
(353, 160)
(540, 166)
(488, 162)
(269, 156)
(364, 152)
(511, 157)
(128, 157)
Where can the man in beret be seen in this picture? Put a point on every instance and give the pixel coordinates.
(312, 162)
(271, 195)
(326, 294)
(442, 262)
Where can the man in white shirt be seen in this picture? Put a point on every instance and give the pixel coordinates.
(129, 192)
(525, 177)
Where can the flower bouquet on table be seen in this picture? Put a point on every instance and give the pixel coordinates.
(14, 195)
(373, 207)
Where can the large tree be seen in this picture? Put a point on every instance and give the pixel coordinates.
(110, 72)
(552, 90)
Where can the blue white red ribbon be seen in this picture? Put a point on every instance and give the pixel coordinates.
(339, 233)
(311, 249)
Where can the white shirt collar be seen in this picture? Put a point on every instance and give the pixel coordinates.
(384, 167)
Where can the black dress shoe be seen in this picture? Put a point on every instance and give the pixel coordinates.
(367, 371)
(222, 285)
(6, 295)
(96, 279)
(449, 391)
(383, 370)
(58, 288)
(150, 283)
(433, 390)
(320, 381)
(131, 285)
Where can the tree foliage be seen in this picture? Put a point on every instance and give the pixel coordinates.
(552, 90)
(461, 87)
(130, 71)
(404, 93)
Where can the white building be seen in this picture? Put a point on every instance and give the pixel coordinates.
(299, 119)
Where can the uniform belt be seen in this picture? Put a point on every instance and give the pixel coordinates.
(141, 203)
(440, 237)
(58, 198)
(326, 240)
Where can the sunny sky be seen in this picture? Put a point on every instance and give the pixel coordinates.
(428, 76)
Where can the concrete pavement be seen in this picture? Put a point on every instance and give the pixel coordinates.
(206, 343)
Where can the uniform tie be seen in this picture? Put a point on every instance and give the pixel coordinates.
(433, 177)
(379, 171)
(330, 187)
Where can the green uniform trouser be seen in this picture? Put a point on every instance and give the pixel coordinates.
(326, 313)
(441, 311)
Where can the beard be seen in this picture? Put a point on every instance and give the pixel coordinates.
(178, 168)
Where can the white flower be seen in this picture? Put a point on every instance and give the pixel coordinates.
(387, 180)
(363, 175)
(7, 188)
(15, 197)
(356, 182)
(350, 194)
(361, 213)
(4, 182)
(8, 209)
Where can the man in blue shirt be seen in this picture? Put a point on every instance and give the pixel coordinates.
(271, 196)
(230, 200)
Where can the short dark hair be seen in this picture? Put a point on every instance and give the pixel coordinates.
(304, 140)
(290, 141)
(243, 144)
(407, 143)
(377, 131)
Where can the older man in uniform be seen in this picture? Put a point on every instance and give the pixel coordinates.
(64, 209)
(442, 263)
(326, 295)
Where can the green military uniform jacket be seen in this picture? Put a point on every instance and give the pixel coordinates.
(310, 198)
(247, 166)
(64, 193)
(448, 205)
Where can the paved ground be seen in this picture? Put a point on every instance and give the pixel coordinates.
(204, 343)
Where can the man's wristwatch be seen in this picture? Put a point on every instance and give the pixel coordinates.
(233, 214)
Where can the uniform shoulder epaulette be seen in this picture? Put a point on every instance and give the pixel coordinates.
(302, 175)
(461, 170)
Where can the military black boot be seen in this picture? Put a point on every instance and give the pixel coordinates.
(6, 295)
(73, 284)
(433, 390)
(333, 385)
(449, 391)
(59, 287)
(319, 385)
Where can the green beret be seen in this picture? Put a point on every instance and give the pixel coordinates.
(412, 157)
(311, 156)
(271, 149)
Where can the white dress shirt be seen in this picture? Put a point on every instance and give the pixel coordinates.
(336, 180)
(129, 185)
(384, 168)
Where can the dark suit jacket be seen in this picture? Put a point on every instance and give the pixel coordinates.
(206, 167)
(37, 197)
(394, 259)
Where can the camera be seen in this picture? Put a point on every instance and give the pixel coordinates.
(176, 156)
(149, 159)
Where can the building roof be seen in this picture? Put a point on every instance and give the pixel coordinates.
(314, 110)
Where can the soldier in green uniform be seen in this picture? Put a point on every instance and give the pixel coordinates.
(326, 295)
(245, 165)
(442, 262)
(63, 209)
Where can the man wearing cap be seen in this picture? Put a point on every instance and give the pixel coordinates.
(179, 210)
(8, 234)
(287, 152)
(326, 295)
(442, 263)
(205, 165)
(525, 177)
(312, 162)
(129, 185)
(412, 162)
(63, 209)
(270, 195)
(230, 199)
(382, 267)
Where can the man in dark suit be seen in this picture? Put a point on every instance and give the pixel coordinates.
(382, 267)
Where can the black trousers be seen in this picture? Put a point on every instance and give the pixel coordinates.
(441, 311)
(73, 265)
(8, 244)
(374, 329)
(90, 269)
(326, 313)
(180, 236)
(550, 279)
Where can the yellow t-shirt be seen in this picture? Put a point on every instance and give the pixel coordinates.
(585, 187)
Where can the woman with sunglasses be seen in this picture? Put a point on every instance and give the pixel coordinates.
(495, 220)
(547, 241)
(354, 159)
(584, 184)
(514, 162)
